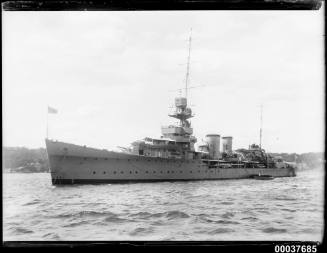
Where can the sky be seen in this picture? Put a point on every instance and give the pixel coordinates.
(113, 76)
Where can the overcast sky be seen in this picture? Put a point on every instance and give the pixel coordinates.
(111, 76)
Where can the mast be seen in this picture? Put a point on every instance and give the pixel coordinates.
(182, 112)
(188, 64)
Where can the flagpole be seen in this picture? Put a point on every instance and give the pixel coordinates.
(47, 122)
(50, 110)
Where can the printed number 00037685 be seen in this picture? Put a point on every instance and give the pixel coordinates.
(296, 248)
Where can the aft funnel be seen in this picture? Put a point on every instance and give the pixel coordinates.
(227, 144)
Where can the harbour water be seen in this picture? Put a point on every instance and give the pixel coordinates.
(289, 208)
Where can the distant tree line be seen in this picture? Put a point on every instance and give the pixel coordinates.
(21, 159)
(308, 160)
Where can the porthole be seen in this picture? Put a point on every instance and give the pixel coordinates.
(85, 158)
(190, 171)
(146, 172)
(180, 171)
(199, 171)
(130, 172)
(104, 172)
(172, 171)
(154, 171)
(106, 159)
(161, 172)
(122, 172)
(136, 172)
(168, 171)
(96, 158)
(115, 172)
(93, 172)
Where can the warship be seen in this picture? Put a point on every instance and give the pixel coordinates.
(171, 157)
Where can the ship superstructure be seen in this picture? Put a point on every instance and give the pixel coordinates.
(176, 141)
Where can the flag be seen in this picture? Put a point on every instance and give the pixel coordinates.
(52, 110)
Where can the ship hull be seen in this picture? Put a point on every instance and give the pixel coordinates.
(74, 164)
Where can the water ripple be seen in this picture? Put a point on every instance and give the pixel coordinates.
(170, 215)
(20, 230)
(270, 230)
(141, 231)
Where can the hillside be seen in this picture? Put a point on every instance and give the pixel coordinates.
(309, 160)
(21, 159)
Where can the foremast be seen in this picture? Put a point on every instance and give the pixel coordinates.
(183, 131)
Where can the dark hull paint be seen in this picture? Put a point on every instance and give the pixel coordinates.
(123, 181)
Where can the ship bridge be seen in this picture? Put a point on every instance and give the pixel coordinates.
(176, 130)
(182, 112)
(183, 131)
